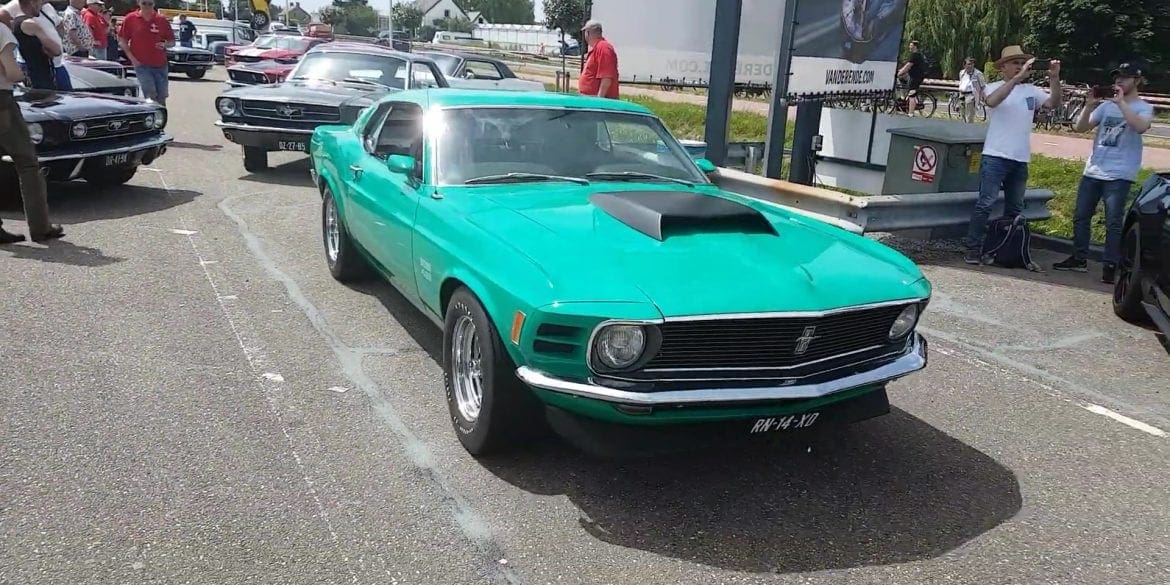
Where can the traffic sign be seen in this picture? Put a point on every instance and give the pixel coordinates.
(925, 164)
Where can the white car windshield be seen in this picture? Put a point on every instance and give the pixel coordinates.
(482, 143)
(353, 67)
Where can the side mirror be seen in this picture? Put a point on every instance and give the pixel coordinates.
(705, 165)
(400, 163)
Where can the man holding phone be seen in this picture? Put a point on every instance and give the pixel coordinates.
(145, 36)
(1007, 150)
(1120, 117)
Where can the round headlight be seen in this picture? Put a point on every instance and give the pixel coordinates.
(905, 322)
(79, 130)
(226, 106)
(160, 119)
(36, 133)
(148, 121)
(128, 92)
(620, 346)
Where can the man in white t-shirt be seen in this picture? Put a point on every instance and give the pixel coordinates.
(971, 84)
(53, 23)
(1007, 150)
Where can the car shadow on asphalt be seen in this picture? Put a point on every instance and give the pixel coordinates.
(421, 330)
(59, 252)
(197, 146)
(290, 174)
(949, 254)
(79, 202)
(889, 490)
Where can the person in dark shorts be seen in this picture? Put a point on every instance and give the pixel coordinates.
(915, 71)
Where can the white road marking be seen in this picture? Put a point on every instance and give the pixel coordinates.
(273, 377)
(1050, 390)
(1125, 420)
(339, 389)
(183, 232)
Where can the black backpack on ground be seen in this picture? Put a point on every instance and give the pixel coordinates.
(1008, 244)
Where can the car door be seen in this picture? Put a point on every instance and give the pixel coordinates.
(478, 69)
(383, 202)
(424, 75)
(1163, 278)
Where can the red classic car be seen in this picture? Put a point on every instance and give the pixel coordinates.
(258, 73)
(278, 48)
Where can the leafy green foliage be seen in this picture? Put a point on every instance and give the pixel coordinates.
(1091, 36)
(406, 17)
(952, 31)
(351, 17)
(455, 24)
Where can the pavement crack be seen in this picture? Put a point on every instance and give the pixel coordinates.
(474, 528)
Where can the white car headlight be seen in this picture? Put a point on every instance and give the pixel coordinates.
(618, 347)
(160, 118)
(36, 133)
(226, 106)
(148, 121)
(905, 322)
(80, 130)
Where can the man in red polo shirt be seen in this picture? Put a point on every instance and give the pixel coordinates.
(599, 77)
(145, 36)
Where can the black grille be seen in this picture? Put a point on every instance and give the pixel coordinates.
(248, 58)
(199, 58)
(116, 126)
(251, 77)
(771, 343)
(281, 111)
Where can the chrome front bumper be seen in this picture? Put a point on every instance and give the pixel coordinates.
(912, 361)
(251, 128)
(82, 155)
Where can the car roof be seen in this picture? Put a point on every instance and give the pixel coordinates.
(475, 56)
(459, 97)
(356, 47)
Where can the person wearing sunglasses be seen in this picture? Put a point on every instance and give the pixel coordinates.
(145, 36)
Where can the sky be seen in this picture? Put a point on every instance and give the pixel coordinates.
(381, 5)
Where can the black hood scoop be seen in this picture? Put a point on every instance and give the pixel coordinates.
(661, 213)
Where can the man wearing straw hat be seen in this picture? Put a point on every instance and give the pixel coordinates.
(1011, 106)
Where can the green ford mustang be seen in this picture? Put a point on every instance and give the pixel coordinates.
(588, 277)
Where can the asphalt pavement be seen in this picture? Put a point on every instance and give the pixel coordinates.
(188, 397)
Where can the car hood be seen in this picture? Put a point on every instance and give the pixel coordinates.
(263, 66)
(83, 77)
(189, 50)
(267, 53)
(321, 93)
(766, 260)
(40, 105)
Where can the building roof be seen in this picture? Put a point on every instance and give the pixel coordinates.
(425, 6)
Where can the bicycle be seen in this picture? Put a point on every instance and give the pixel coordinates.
(956, 104)
(927, 103)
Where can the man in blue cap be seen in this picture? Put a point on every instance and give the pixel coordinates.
(1120, 116)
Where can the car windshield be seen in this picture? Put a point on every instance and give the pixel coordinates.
(294, 44)
(265, 42)
(353, 67)
(446, 63)
(486, 144)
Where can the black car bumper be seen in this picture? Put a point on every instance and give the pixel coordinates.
(187, 67)
(270, 138)
(69, 164)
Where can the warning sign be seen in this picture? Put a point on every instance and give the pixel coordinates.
(925, 164)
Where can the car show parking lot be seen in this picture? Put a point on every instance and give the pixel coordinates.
(190, 397)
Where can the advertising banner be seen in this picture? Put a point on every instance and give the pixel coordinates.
(839, 46)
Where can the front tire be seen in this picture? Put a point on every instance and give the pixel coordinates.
(490, 408)
(255, 159)
(1127, 292)
(345, 262)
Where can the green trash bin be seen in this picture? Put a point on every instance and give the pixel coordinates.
(940, 159)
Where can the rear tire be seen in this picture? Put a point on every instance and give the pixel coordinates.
(1127, 291)
(255, 159)
(491, 409)
(345, 263)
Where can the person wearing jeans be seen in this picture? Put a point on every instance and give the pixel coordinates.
(146, 35)
(1112, 167)
(1007, 150)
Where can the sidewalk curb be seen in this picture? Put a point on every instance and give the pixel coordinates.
(1054, 244)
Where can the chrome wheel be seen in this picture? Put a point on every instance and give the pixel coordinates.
(332, 231)
(466, 368)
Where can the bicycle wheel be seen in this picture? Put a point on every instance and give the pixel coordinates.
(954, 106)
(929, 104)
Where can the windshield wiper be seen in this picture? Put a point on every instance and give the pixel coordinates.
(307, 78)
(635, 176)
(522, 178)
(366, 81)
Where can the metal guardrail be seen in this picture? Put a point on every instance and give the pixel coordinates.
(873, 213)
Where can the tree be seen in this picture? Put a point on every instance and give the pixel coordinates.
(502, 11)
(1120, 30)
(407, 17)
(568, 16)
(351, 17)
(952, 31)
(457, 24)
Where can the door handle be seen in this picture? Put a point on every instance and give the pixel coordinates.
(357, 171)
